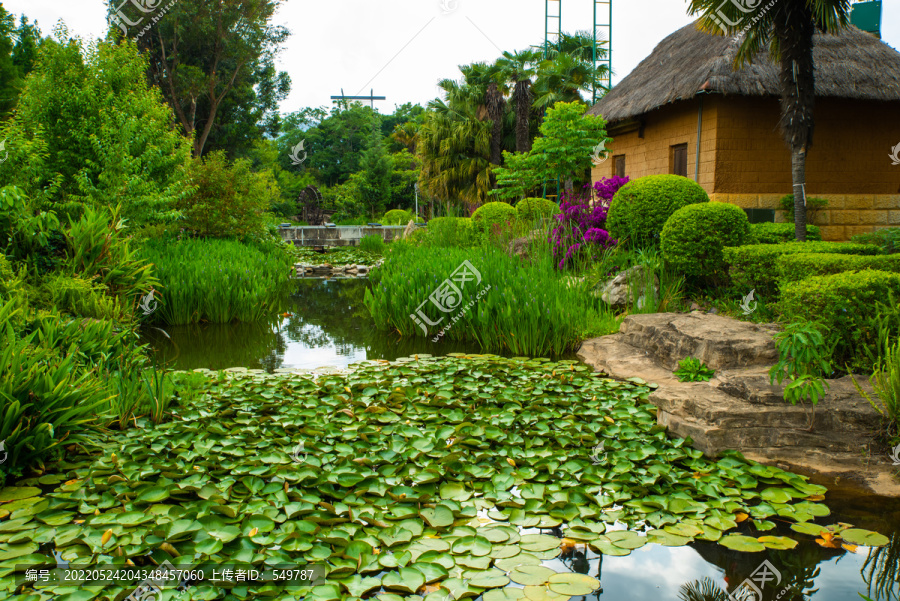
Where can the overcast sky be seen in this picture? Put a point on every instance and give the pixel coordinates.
(402, 48)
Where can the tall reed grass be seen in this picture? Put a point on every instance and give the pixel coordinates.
(217, 280)
(519, 307)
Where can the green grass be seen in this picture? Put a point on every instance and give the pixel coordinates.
(522, 308)
(217, 280)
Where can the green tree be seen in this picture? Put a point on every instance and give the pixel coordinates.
(786, 30)
(519, 68)
(89, 129)
(10, 76)
(563, 151)
(213, 62)
(374, 180)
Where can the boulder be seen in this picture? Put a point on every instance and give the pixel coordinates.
(519, 247)
(410, 228)
(629, 285)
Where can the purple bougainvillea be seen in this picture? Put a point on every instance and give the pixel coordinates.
(582, 223)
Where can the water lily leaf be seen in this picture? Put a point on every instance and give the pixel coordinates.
(521, 559)
(543, 593)
(607, 548)
(867, 538)
(153, 494)
(407, 580)
(573, 584)
(488, 579)
(14, 493)
(460, 589)
(474, 545)
(455, 491)
(530, 574)
(781, 543)
(667, 539)
(538, 542)
(504, 594)
(437, 517)
(431, 571)
(626, 539)
(737, 542)
(775, 495)
(808, 528)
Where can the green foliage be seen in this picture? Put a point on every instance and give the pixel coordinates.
(640, 208)
(568, 136)
(526, 310)
(753, 266)
(803, 362)
(793, 267)
(89, 129)
(887, 238)
(230, 200)
(691, 369)
(374, 177)
(491, 215)
(844, 304)
(217, 280)
(85, 297)
(777, 233)
(693, 237)
(534, 209)
(450, 232)
(813, 206)
(24, 232)
(373, 244)
(885, 382)
(397, 217)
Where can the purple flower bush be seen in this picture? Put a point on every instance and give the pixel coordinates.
(582, 223)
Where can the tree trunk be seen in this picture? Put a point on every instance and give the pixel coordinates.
(794, 28)
(798, 174)
(495, 104)
(523, 99)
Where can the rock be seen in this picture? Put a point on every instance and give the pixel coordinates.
(519, 247)
(629, 285)
(696, 307)
(738, 408)
(410, 228)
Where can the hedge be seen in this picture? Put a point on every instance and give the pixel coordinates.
(753, 266)
(844, 304)
(795, 267)
(492, 213)
(640, 208)
(450, 231)
(887, 238)
(693, 237)
(397, 217)
(532, 209)
(776, 233)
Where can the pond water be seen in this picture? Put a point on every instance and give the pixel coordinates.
(327, 325)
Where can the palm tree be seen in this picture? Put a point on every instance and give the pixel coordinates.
(563, 78)
(786, 30)
(519, 69)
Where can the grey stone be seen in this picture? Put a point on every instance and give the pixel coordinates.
(629, 285)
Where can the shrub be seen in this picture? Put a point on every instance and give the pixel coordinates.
(776, 233)
(693, 237)
(813, 206)
(580, 231)
(397, 217)
(230, 201)
(753, 266)
(490, 214)
(534, 209)
(794, 267)
(450, 231)
(217, 280)
(888, 239)
(843, 303)
(640, 208)
(605, 188)
(374, 244)
(691, 369)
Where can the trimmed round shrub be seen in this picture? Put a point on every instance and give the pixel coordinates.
(449, 232)
(397, 217)
(694, 236)
(532, 209)
(491, 213)
(776, 233)
(640, 209)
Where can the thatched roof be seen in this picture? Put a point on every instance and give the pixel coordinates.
(851, 64)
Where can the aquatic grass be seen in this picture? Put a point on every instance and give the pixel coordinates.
(217, 280)
(525, 308)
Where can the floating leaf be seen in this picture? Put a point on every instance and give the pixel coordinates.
(737, 542)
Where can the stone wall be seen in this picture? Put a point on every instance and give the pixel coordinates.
(312, 235)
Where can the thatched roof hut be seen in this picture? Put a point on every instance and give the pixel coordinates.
(851, 64)
(686, 110)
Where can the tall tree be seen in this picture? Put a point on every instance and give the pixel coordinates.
(786, 30)
(375, 176)
(203, 54)
(519, 69)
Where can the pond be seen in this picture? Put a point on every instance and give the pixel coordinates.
(328, 325)
(325, 324)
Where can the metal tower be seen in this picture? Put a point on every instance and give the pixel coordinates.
(603, 33)
(552, 24)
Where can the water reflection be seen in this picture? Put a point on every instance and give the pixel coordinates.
(325, 324)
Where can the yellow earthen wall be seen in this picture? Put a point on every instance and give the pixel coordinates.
(744, 161)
